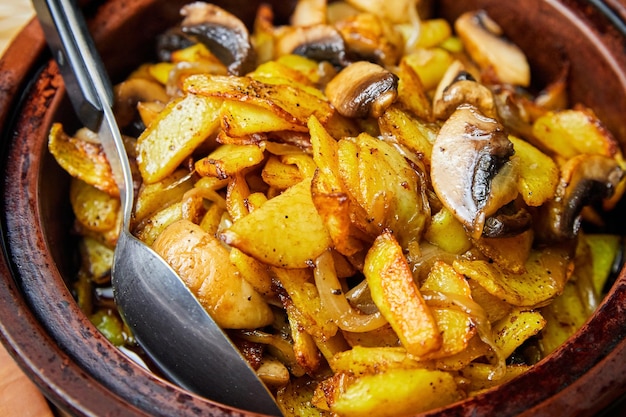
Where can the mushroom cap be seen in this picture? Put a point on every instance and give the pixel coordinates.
(585, 179)
(319, 42)
(362, 89)
(471, 170)
(223, 33)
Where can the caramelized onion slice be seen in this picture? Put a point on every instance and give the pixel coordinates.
(335, 302)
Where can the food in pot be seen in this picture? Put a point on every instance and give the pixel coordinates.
(373, 204)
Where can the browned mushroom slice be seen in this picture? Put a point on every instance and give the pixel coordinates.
(510, 220)
(471, 170)
(223, 33)
(484, 42)
(362, 89)
(460, 87)
(585, 179)
(317, 42)
(171, 40)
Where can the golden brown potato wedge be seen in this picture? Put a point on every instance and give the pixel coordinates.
(397, 297)
(81, 159)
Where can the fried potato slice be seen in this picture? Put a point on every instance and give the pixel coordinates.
(547, 271)
(479, 375)
(396, 392)
(511, 331)
(295, 399)
(538, 173)
(227, 160)
(411, 92)
(154, 197)
(152, 226)
(509, 253)
(445, 231)
(397, 297)
(286, 231)
(178, 130)
(457, 325)
(290, 102)
(203, 264)
(362, 360)
(573, 132)
(564, 316)
(408, 131)
(280, 175)
(391, 191)
(241, 118)
(81, 159)
(96, 258)
(303, 302)
(430, 64)
(93, 208)
(604, 248)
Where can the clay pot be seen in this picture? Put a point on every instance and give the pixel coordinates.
(82, 373)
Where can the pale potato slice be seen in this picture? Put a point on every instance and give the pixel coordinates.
(286, 231)
(175, 134)
(538, 173)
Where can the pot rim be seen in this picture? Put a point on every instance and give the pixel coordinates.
(56, 372)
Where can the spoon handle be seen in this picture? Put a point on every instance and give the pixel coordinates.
(65, 30)
(88, 85)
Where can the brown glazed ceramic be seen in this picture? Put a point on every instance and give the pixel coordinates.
(82, 373)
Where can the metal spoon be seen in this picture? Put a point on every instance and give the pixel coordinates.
(165, 317)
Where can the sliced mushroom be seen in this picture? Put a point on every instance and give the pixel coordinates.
(223, 33)
(585, 180)
(484, 42)
(471, 170)
(362, 89)
(129, 93)
(460, 87)
(172, 40)
(317, 42)
(509, 221)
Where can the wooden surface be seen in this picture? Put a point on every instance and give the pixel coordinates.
(18, 395)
